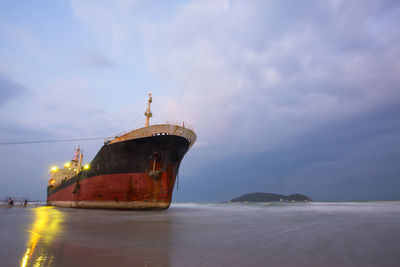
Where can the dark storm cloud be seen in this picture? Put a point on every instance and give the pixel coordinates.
(9, 88)
(291, 97)
(294, 66)
(352, 160)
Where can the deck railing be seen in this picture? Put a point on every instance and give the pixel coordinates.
(155, 122)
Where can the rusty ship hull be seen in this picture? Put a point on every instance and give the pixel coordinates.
(135, 171)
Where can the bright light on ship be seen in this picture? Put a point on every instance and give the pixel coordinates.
(67, 164)
(54, 168)
(86, 166)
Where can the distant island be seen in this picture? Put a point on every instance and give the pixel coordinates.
(269, 197)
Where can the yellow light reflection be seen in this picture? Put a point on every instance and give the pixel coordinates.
(42, 232)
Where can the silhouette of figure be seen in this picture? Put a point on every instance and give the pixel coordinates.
(10, 202)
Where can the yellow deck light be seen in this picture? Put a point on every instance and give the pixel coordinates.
(86, 166)
(54, 168)
(67, 164)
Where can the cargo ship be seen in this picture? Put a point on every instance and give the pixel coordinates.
(134, 170)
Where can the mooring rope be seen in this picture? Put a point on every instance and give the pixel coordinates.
(50, 141)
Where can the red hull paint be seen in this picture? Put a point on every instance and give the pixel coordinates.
(118, 191)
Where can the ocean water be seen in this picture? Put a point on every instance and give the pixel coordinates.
(275, 234)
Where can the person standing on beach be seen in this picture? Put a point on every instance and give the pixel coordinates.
(25, 202)
(10, 202)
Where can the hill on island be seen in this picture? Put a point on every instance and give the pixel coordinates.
(268, 197)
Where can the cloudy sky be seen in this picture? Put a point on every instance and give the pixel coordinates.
(285, 96)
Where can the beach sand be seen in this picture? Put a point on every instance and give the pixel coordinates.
(280, 234)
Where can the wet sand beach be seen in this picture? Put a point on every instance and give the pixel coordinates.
(277, 234)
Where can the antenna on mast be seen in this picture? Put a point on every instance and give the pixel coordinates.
(148, 114)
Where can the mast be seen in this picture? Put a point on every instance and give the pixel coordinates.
(148, 113)
(76, 156)
(79, 163)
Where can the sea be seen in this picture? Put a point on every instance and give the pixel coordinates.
(194, 234)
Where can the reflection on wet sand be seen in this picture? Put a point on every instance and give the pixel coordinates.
(113, 238)
(77, 237)
(43, 230)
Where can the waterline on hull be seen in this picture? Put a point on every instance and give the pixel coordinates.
(120, 205)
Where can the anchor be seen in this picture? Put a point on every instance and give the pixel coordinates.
(155, 173)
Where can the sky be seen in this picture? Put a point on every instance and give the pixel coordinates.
(284, 96)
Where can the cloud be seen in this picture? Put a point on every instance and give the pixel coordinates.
(66, 107)
(264, 84)
(96, 60)
(110, 25)
(254, 76)
(352, 160)
(9, 89)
